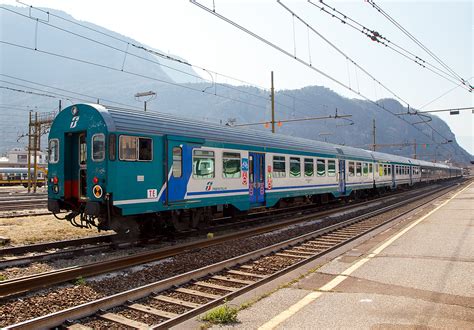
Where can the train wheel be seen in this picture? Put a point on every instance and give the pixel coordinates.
(181, 222)
(198, 218)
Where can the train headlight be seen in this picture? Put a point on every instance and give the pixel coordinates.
(55, 189)
(74, 111)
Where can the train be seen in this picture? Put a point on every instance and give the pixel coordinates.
(134, 171)
(16, 176)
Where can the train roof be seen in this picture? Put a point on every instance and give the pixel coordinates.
(165, 124)
(140, 122)
(381, 156)
(14, 170)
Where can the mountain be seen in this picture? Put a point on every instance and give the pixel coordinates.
(82, 62)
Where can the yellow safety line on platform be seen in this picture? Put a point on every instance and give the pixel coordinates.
(292, 310)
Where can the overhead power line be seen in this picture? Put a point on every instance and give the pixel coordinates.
(294, 120)
(126, 53)
(127, 72)
(416, 41)
(26, 92)
(61, 96)
(340, 51)
(442, 95)
(213, 74)
(446, 110)
(383, 40)
(309, 65)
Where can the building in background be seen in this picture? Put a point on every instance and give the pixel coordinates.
(19, 158)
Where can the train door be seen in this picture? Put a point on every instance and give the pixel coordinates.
(82, 166)
(256, 178)
(75, 163)
(392, 170)
(179, 169)
(342, 176)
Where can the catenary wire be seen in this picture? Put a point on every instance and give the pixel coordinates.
(416, 41)
(377, 37)
(273, 45)
(154, 52)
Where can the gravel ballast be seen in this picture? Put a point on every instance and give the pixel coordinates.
(54, 299)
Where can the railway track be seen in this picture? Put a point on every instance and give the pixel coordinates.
(113, 242)
(22, 201)
(77, 247)
(173, 300)
(15, 256)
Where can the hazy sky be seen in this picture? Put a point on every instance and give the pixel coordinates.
(181, 28)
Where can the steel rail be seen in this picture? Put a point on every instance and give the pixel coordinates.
(90, 308)
(253, 219)
(56, 245)
(36, 281)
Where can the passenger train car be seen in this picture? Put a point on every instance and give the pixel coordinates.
(117, 168)
(15, 176)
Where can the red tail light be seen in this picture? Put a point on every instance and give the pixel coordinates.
(95, 180)
(55, 180)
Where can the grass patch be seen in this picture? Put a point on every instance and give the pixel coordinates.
(80, 281)
(221, 315)
(225, 314)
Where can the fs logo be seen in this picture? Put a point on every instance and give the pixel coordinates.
(209, 186)
(74, 122)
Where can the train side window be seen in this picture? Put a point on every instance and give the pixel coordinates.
(231, 165)
(112, 146)
(365, 169)
(145, 149)
(279, 166)
(295, 167)
(321, 167)
(308, 167)
(331, 167)
(359, 169)
(128, 147)
(351, 169)
(98, 147)
(203, 164)
(177, 167)
(370, 168)
(53, 151)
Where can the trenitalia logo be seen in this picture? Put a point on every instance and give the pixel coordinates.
(209, 186)
(74, 122)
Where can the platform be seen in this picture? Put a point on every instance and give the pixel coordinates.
(419, 273)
